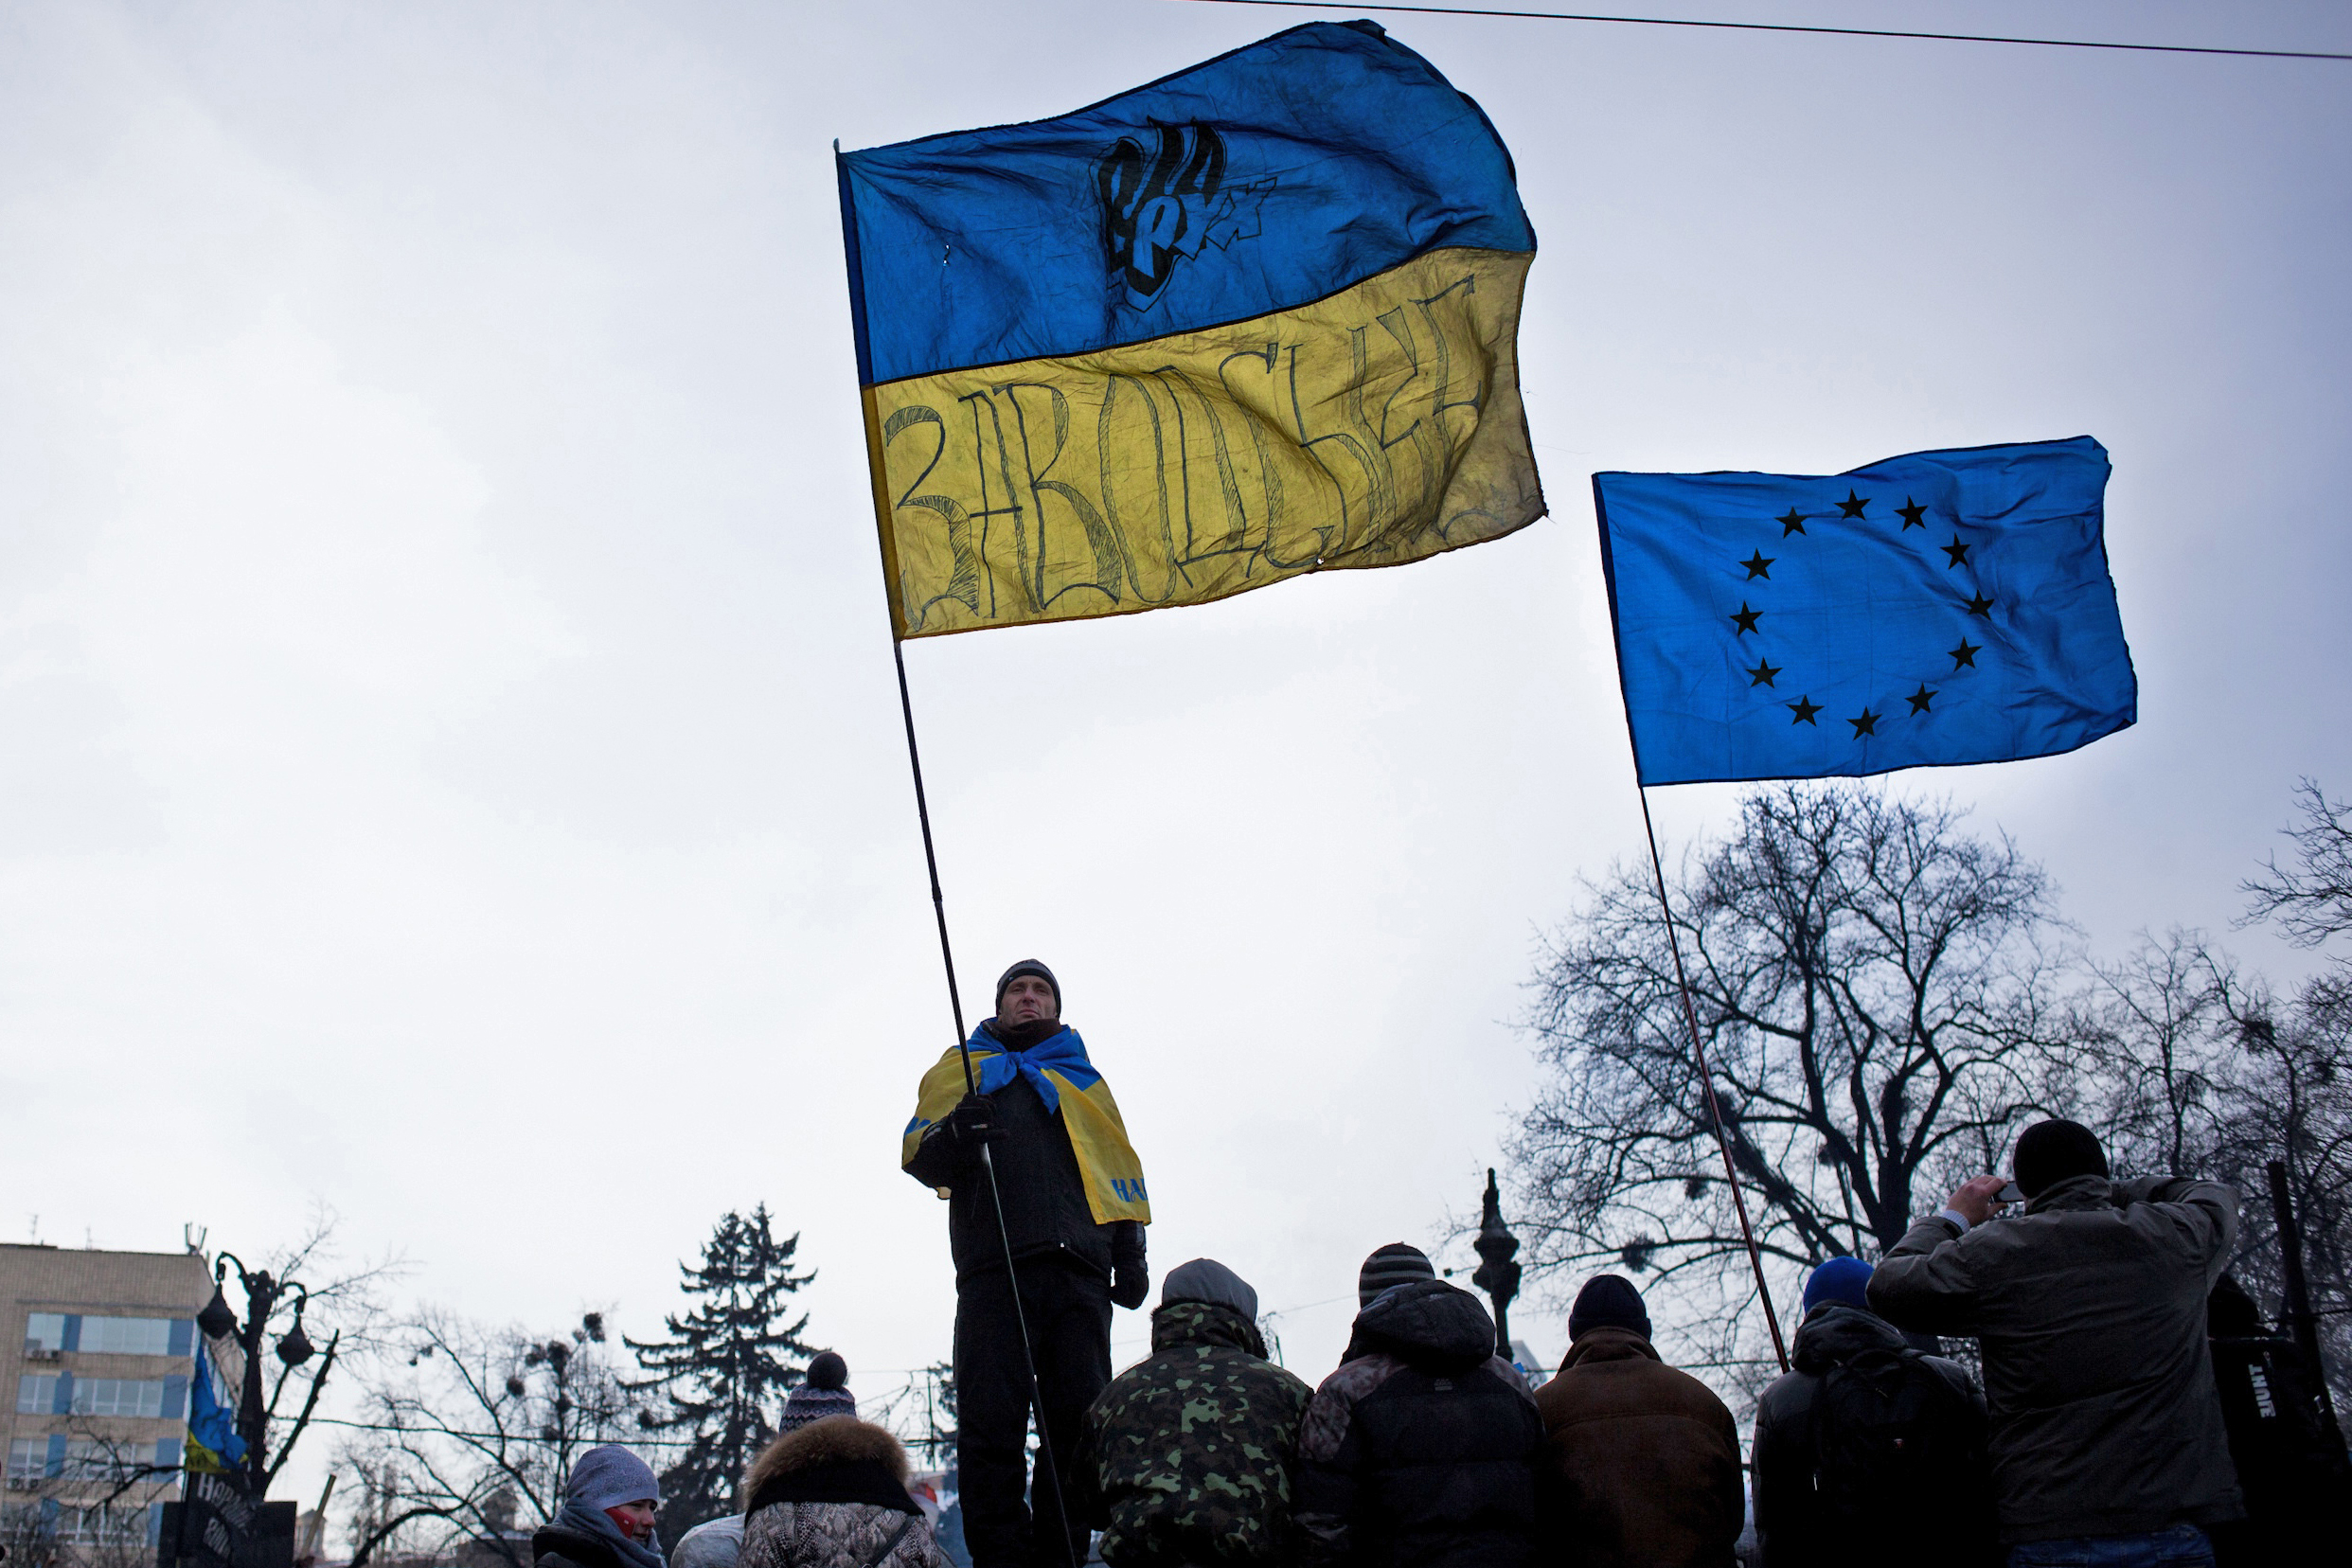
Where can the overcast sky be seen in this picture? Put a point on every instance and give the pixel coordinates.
(449, 762)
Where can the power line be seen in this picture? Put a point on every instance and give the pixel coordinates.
(1796, 27)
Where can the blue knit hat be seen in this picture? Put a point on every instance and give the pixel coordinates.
(826, 1393)
(1840, 1279)
(609, 1476)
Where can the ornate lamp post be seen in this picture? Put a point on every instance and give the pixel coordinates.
(1498, 1275)
(217, 1320)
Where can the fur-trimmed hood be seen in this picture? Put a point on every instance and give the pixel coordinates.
(837, 1439)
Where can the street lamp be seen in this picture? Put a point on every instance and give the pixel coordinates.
(262, 1294)
(1497, 1274)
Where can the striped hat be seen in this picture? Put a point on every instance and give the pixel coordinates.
(826, 1393)
(1398, 1264)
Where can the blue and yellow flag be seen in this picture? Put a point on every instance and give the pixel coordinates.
(1059, 1070)
(1942, 607)
(1256, 319)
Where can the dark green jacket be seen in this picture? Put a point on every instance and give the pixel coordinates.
(1189, 1456)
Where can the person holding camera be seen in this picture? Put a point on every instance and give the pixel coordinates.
(2106, 1439)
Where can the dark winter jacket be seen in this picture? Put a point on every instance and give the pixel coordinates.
(1641, 1462)
(1187, 1457)
(2090, 1310)
(1789, 1530)
(559, 1546)
(1419, 1451)
(829, 1495)
(1046, 1214)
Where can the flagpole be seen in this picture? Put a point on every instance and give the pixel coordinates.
(987, 1164)
(1706, 1084)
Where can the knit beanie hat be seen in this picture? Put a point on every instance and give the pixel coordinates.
(1398, 1264)
(2050, 1151)
(1206, 1279)
(1608, 1300)
(826, 1393)
(1029, 966)
(609, 1476)
(1840, 1279)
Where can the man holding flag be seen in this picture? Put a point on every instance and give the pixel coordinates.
(1063, 1228)
(1254, 320)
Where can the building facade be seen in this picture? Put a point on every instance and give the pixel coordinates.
(97, 1411)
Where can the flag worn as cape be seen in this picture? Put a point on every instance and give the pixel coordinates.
(1066, 1081)
(1254, 319)
(1943, 607)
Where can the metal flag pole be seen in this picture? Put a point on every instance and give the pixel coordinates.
(1706, 1086)
(996, 1196)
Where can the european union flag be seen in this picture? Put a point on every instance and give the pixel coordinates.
(1940, 608)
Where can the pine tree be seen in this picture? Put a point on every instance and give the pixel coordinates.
(726, 1366)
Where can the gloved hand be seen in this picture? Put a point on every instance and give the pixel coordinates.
(1130, 1282)
(972, 1123)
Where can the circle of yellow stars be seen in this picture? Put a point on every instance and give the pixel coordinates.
(1856, 505)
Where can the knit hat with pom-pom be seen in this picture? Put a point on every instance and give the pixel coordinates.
(826, 1393)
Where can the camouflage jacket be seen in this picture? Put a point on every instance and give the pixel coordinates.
(1187, 1457)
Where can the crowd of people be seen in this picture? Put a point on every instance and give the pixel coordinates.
(2133, 1410)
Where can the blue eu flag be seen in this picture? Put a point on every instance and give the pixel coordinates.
(1943, 607)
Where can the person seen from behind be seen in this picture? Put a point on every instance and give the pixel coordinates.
(831, 1491)
(1641, 1461)
(1865, 1437)
(1419, 1452)
(1189, 1456)
(2107, 1440)
(607, 1518)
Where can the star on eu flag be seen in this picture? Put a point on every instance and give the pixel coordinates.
(2006, 645)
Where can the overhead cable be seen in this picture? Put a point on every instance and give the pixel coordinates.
(1798, 27)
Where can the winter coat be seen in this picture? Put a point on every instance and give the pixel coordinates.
(1419, 1451)
(1187, 1457)
(713, 1544)
(1046, 1214)
(1789, 1530)
(560, 1546)
(828, 1495)
(2090, 1310)
(1641, 1462)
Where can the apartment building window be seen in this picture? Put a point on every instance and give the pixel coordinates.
(48, 1333)
(116, 1396)
(123, 1525)
(126, 1336)
(36, 1393)
(28, 1460)
(104, 1459)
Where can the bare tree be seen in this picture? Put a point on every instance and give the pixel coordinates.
(476, 1424)
(1880, 994)
(2311, 898)
(2193, 1066)
(341, 1300)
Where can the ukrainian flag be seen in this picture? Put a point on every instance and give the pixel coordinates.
(1256, 319)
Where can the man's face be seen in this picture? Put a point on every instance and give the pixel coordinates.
(1027, 999)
